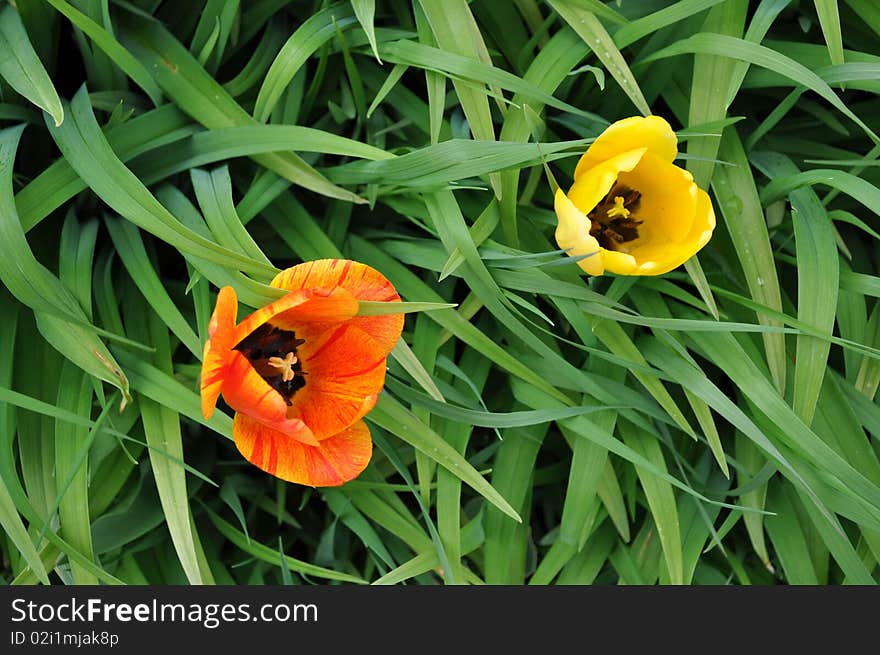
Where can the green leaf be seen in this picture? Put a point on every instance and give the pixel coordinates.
(21, 67)
(660, 497)
(14, 528)
(657, 20)
(319, 28)
(818, 284)
(214, 193)
(114, 50)
(376, 308)
(712, 77)
(467, 68)
(270, 555)
(162, 429)
(457, 32)
(190, 87)
(446, 162)
(487, 419)
(396, 419)
(86, 149)
(74, 394)
(829, 19)
(789, 540)
(728, 46)
(130, 248)
(737, 196)
(590, 29)
(60, 318)
(365, 10)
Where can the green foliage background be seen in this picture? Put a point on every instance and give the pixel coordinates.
(714, 425)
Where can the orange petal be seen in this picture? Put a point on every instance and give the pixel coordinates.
(651, 132)
(221, 329)
(344, 375)
(248, 393)
(362, 281)
(299, 308)
(335, 461)
(224, 314)
(213, 369)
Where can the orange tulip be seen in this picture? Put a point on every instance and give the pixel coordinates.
(303, 371)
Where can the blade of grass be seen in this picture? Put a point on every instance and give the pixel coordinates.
(319, 28)
(74, 394)
(188, 85)
(396, 419)
(660, 497)
(737, 196)
(21, 67)
(114, 50)
(457, 32)
(590, 29)
(818, 284)
(728, 46)
(34, 285)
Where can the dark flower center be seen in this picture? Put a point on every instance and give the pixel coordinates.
(611, 221)
(271, 350)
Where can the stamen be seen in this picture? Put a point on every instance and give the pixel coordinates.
(612, 222)
(618, 209)
(286, 365)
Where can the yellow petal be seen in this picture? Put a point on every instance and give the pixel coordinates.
(589, 189)
(704, 220)
(573, 235)
(668, 199)
(651, 132)
(618, 262)
(659, 258)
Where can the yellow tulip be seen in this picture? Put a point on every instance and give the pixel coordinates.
(631, 211)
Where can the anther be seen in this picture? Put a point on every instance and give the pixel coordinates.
(619, 209)
(286, 365)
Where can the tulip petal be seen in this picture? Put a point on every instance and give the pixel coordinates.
(221, 331)
(618, 262)
(573, 235)
(224, 314)
(668, 199)
(334, 461)
(660, 219)
(591, 187)
(245, 391)
(299, 308)
(362, 281)
(661, 258)
(651, 132)
(704, 220)
(345, 373)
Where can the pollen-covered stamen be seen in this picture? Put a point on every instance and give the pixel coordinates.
(619, 208)
(611, 221)
(271, 351)
(286, 365)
